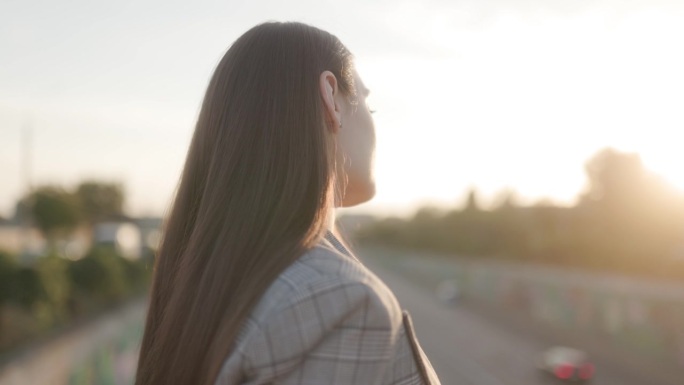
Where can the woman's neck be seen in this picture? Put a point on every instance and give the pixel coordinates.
(330, 225)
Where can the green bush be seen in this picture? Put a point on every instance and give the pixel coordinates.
(21, 293)
(19, 285)
(7, 270)
(101, 274)
(54, 290)
(137, 273)
(54, 275)
(26, 289)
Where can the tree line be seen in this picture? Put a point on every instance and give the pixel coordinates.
(628, 221)
(57, 211)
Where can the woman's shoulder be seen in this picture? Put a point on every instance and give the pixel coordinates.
(323, 295)
(331, 284)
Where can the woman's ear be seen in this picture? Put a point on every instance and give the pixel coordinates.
(329, 90)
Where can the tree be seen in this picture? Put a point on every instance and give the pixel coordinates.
(614, 177)
(632, 218)
(55, 211)
(472, 203)
(100, 201)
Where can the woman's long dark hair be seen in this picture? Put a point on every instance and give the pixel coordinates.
(254, 195)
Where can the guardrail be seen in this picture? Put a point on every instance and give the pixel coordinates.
(646, 317)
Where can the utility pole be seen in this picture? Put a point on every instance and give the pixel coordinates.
(27, 150)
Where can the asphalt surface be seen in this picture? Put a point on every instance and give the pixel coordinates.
(468, 346)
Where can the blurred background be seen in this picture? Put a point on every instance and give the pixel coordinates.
(530, 183)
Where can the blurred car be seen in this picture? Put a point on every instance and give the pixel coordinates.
(447, 292)
(567, 365)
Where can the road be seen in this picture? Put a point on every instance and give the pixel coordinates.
(467, 346)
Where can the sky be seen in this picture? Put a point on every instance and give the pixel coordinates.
(499, 95)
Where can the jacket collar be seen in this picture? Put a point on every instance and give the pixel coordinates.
(337, 245)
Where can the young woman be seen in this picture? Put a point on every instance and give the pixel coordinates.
(251, 285)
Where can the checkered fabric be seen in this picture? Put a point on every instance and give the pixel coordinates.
(327, 319)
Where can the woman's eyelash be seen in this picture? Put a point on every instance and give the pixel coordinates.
(372, 111)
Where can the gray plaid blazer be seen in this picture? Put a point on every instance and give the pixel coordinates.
(327, 319)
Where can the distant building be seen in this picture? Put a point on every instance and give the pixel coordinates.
(18, 240)
(132, 237)
(124, 237)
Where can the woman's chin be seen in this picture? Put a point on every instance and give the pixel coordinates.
(359, 195)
